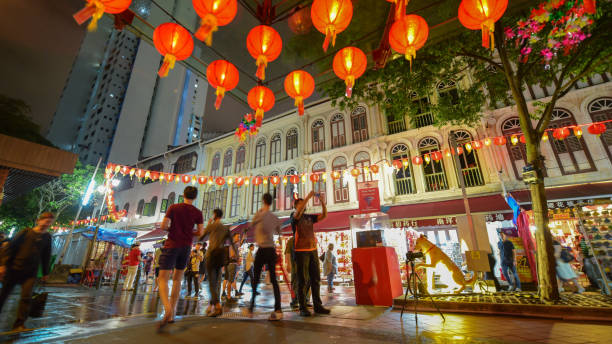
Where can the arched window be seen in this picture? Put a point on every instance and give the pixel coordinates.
(518, 152)
(156, 167)
(235, 201)
(260, 152)
(186, 163)
(470, 167)
(337, 131)
(214, 167)
(275, 192)
(359, 122)
(433, 172)
(571, 153)
(126, 207)
(341, 191)
(211, 200)
(601, 110)
(404, 183)
(257, 194)
(318, 136)
(362, 160)
(171, 199)
(292, 144)
(275, 149)
(447, 91)
(140, 208)
(319, 186)
(424, 116)
(290, 188)
(152, 207)
(227, 162)
(240, 157)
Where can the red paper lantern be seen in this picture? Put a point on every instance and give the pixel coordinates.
(223, 76)
(260, 99)
(477, 144)
(265, 45)
(561, 133)
(499, 141)
(331, 17)
(214, 13)
(257, 180)
(174, 42)
(186, 178)
(374, 168)
(349, 64)
(355, 172)
(335, 175)
(436, 156)
(294, 179)
(275, 180)
(417, 160)
(299, 85)
(300, 22)
(154, 176)
(169, 177)
(202, 180)
(96, 8)
(409, 34)
(140, 173)
(482, 15)
(522, 139)
(400, 6)
(590, 6)
(314, 177)
(220, 181)
(597, 128)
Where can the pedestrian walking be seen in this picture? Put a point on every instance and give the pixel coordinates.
(508, 263)
(133, 260)
(179, 221)
(266, 225)
(157, 255)
(231, 269)
(565, 273)
(307, 260)
(218, 234)
(248, 268)
(292, 269)
(20, 261)
(148, 262)
(330, 267)
(203, 264)
(193, 271)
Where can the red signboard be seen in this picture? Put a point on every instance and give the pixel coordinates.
(369, 199)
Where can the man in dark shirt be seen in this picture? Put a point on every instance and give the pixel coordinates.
(508, 263)
(306, 257)
(19, 264)
(179, 221)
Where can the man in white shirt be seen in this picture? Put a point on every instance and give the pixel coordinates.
(248, 268)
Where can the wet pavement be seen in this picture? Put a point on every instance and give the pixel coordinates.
(81, 315)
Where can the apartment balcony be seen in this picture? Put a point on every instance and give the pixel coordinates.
(435, 182)
(472, 176)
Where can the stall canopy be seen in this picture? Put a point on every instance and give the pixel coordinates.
(482, 204)
(153, 235)
(119, 237)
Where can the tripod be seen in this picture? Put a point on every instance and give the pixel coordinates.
(414, 280)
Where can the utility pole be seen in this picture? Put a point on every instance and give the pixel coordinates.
(466, 203)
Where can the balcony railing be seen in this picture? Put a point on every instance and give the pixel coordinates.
(397, 126)
(404, 186)
(423, 120)
(435, 182)
(472, 176)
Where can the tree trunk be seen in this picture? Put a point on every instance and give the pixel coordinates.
(546, 265)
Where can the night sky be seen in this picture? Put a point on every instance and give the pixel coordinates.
(38, 43)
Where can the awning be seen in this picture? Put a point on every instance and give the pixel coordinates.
(573, 192)
(240, 227)
(482, 204)
(335, 221)
(119, 237)
(153, 235)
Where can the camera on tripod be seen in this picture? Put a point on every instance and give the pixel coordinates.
(411, 256)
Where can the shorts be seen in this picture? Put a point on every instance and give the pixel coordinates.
(157, 272)
(230, 272)
(174, 258)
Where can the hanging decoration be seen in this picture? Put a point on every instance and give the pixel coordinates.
(265, 45)
(299, 85)
(561, 133)
(349, 64)
(174, 42)
(223, 76)
(408, 34)
(248, 125)
(96, 8)
(331, 17)
(400, 8)
(214, 13)
(482, 15)
(597, 129)
(300, 22)
(499, 141)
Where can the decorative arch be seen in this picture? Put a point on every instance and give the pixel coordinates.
(600, 110)
(275, 148)
(227, 161)
(140, 207)
(448, 89)
(433, 172)
(404, 180)
(214, 166)
(361, 161)
(291, 144)
(338, 133)
(257, 193)
(359, 124)
(318, 135)
(260, 152)
(341, 190)
(572, 154)
(518, 152)
(240, 158)
(468, 159)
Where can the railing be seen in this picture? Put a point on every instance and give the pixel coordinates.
(404, 186)
(423, 120)
(397, 126)
(435, 182)
(472, 176)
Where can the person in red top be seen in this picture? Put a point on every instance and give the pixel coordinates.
(179, 221)
(133, 259)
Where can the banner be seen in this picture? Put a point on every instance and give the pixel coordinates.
(368, 195)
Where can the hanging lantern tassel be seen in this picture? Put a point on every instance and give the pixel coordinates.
(207, 27)
(350, 82)
(330, 32)
(488, 39)
(299, 103)
(220, 94)
(93, 10)
(261, 63)
(169, 61)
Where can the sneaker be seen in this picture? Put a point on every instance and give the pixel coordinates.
(321, 310)
(305, 313)
(276, 315)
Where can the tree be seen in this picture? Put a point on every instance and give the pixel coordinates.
(557, 44)
(16, 121)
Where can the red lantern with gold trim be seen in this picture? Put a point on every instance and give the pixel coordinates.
(436, 156)
(294, 179)
(174, 42)
(257, 180)
(331, 17)
(417, 160)
(314, 177)
(300, 22)
(220, 181)
(214, 13)
(186, 178)
(169, 177)
(223, 76)
(355, 172)
(299, 85)
(499, 141)
(265, 45)
(408, 34)
(260, 99)
(96, 8)
(561, 133)
(349, 64)
(275, 180)
(482, 15)
(597, 128)
(374, 168)
(335, 175)
(240, 181)
(477, 144)
(202, 180)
